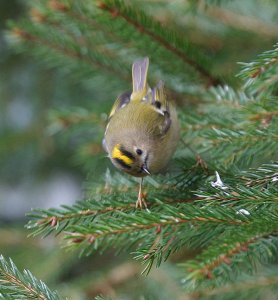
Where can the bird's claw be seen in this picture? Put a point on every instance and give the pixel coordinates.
(141, 203)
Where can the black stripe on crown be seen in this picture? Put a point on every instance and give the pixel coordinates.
(122, 163)
(127, 153)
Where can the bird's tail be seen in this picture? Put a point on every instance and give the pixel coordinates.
(139, 78)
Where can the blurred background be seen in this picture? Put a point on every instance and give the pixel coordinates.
(34, 171)
(39, 162)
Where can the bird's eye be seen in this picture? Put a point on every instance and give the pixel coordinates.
(139, 151)
(157, 104)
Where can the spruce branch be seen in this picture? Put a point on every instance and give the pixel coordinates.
(247, 188)
(261, 74)
(117, 194)
(94, 60)
(258, 242)
(98, 224)
(262, 176)
(80, 14)
(44, 222)
(132, 228)
(228, 96)
(53, 220)
(267, 116)
(244, 288)
(223, 144)
(257, 67)
(85, 30)
(224, 242)
(22, 285)
(166, 37)
(94, 35)
(232, 218)
(96, 30)
(233, 128)
(65, 119)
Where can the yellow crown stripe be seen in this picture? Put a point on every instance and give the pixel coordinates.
(117, 153)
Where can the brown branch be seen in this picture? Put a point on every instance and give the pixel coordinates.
(264, 115)
(11, 279)
(261, 181)
(54, 220)
(236, 194)
(116, 38)
(91, 237)
(226, 258)
(38, 17)
(231, 288)
(202, 72)
(260, 70)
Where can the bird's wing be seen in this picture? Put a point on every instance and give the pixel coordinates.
(120, 102)
(155, 97)
(161, 105)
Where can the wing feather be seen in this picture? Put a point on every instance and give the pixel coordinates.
(161, 97)
(120, 102)
(161, 105)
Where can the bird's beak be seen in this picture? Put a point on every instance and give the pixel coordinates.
(145, 169)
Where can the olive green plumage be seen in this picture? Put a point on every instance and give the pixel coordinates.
(143, 131)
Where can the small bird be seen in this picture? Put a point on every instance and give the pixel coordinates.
(143, 130)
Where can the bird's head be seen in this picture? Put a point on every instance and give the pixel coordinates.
(131, 158)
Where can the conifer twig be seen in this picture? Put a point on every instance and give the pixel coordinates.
(258, 282)
(24, 285)
(28, 37)
(78, 236)
(54, 220)
(116, 11)
(230, 247)
(225, 258)
(262, 64)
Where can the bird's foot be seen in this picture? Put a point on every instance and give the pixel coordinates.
(141, 203)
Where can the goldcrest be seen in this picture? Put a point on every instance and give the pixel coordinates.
(143, 130)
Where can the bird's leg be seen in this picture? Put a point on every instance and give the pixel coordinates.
(141, 201)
